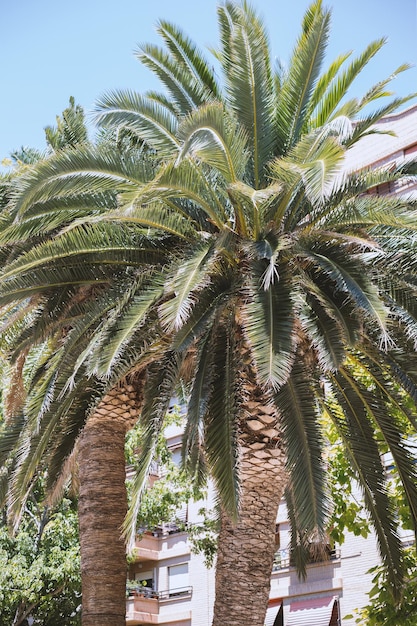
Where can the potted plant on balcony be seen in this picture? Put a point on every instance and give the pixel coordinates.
(131, 587)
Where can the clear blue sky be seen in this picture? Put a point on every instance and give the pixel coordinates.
(51, 49)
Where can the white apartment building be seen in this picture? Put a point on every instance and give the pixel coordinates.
(179, 588)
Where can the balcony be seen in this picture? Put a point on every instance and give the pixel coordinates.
(145, 605)
(161, 543)
(147, 593)
(283, 558)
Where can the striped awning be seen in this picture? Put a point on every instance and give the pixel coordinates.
(274, 613)
(317, 611)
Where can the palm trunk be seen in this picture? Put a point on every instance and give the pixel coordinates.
(246, 549)
(102, 509)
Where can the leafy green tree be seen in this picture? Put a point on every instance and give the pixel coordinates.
(174, 488)
(40, 568)
(383, 608)
(235, 255)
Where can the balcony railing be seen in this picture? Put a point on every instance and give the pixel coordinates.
(147, 592)
(175, 593)
(284, 558)
(168, 528)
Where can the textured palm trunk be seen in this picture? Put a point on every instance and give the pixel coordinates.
(102, 509)
(246, 548)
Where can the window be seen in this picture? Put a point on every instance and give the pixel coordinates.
(178, 576)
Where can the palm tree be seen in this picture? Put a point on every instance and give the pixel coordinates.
(44, 338)
(273, 276)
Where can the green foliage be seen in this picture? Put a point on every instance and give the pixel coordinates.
(70, 128)
(203, 536)
(348, 515)
(348, 512)
(162, 501)
(383, 609)
(174, 488)
(40, 568)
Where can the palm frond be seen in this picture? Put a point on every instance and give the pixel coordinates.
(187, 180)
(252, 207)
(151, 121)
(324, 82)
(394, 372)
(189, 278)
(55, 214)
(41, 434)
(160, 388)
(358, 437)
(221, 423)
(196, 71)
(23, 286)
(325, 327)
(208, 135)
(269, 322)
(193, 456)
(119, 333)
(329, 106)
(211, 301)
(316, 159)
(81, 170)
(366, 124)
(379, 89)
(248, 83)
(298, 88)
(304, 446)
(114, 244)
(350, 278)
(172, 76)
(10, 435)
(379, 408)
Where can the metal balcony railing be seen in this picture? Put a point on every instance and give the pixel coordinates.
(166, 594)
(175, 593)
(284, 559)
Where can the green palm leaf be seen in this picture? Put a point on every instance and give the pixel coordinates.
(326, 328)
(193, 457)
(303, 441)
(119, 331)
(183, 288)
(172, 76)
(221, 425)
(269, 322)
(349, 278)
(316, 160)
(361, 447)
(339, 86)
(248, 81)
(113, 244)
(81, 170)
(150, 121)
(162, 380)
(196, 71)
(210, 303)
(365, 125)
(208, 135)
(379, 408)
(297, 90)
